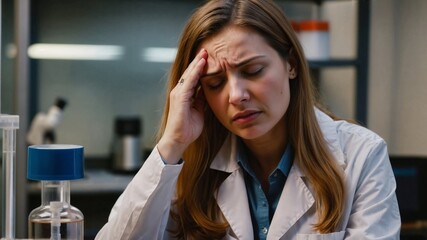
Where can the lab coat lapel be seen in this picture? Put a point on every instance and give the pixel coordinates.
(295, 201)
(232, 198)
(233, 201)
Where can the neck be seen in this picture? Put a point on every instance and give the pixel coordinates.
(265, 152)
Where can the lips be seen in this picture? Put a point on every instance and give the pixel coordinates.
(245, 116)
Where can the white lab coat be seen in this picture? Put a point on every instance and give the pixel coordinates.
(371, 209)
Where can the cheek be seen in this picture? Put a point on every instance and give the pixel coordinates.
(276, 94)
(275, 87)
(215, 102)
(285, 95)
(284, 91)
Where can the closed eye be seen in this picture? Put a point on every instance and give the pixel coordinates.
(213, 83)
(253, 71)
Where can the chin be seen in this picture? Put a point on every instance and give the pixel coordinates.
(249, 134)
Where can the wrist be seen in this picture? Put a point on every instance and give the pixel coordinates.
(170, 152)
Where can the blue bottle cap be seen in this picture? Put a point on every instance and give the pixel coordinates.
(55, 162)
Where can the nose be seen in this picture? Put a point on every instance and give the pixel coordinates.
(238, 92)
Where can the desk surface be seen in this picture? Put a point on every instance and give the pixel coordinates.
(95, 181)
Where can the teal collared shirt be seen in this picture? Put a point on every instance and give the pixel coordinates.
(263, 206)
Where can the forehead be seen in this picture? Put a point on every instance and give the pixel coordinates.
(233, 43)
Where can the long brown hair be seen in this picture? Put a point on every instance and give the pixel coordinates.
(195, 209)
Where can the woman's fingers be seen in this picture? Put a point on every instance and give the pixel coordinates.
(185, 90)
(194, 71)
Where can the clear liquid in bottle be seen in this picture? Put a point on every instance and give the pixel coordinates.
(70, 230)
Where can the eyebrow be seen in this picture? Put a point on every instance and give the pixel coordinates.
(234, 65)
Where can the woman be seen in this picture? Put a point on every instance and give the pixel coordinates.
(243, 153)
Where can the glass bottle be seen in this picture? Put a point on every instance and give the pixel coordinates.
(54, 165)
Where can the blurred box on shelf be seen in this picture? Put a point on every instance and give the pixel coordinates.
(314, 38)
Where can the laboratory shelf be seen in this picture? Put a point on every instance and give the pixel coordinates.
(360, 62)
(332, 63)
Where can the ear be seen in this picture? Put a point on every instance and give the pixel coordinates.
(292, 71)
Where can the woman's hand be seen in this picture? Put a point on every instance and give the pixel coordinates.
(185, 117)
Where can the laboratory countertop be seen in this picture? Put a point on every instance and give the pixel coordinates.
(95, 181)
